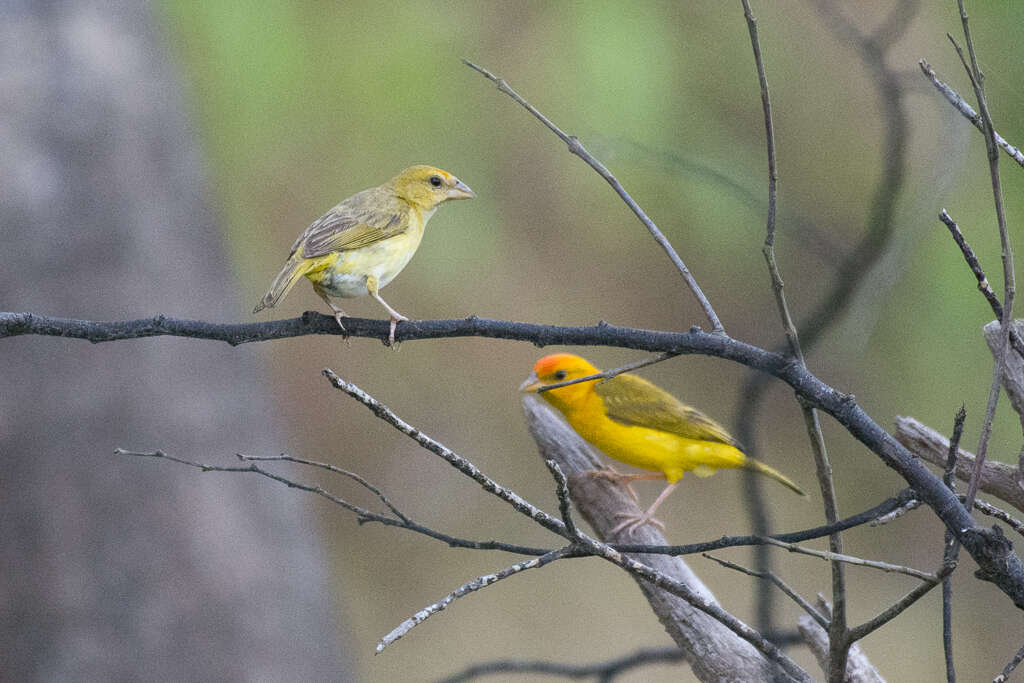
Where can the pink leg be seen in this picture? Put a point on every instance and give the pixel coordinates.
(611, 474)
(631, 522)
(338, 313)
(371, 286)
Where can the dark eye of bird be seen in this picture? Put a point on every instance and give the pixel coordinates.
(560, 375)
(435, 180)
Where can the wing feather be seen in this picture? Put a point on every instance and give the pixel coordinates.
(632, 400)
(363, 219)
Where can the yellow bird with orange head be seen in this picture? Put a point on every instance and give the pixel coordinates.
(638, 423)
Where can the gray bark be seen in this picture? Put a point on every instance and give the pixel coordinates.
(116, 568)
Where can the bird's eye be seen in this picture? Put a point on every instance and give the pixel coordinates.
(560, 375)
(435, 180)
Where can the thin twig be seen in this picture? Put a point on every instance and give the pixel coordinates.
(837, 625)
(758, 511)
(608, 374)
(860, 518)
(779, 583)
(839, 641)
(602, 671)
(909, 506)
(972, 261)
(564, 503)
(465, 589)
(577, 148)
(978, 82)
(1002, 515)
(451, 457)
(983, 285)
(284, 457)
(968, 112)
(850, 559)
(859, 632)
(981, 506)
(1008, 669)
(950, 549)
(362, 515)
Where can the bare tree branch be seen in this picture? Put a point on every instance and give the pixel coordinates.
(997, 479)
(603, 671)
(837, 626)
(858, 668)
(860, 518)
(988, 547)
(362, 514)
(1008, 669)
(777, 582)
(850, 559)
(577, 148)
(931, 581)
(978, 81)
(476, 584)
(950, 548)
(968, 111)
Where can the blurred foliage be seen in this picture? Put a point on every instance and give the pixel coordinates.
(302, 104)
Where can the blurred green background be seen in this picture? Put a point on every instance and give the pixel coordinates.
(299, 105)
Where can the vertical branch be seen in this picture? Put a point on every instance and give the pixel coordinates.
(856, 265)
(950, 548)
(1009, 283)
(838, 635)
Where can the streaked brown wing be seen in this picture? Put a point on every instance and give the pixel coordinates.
(362, 219)
(632, 400)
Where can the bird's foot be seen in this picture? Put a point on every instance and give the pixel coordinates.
(631, 522)
(338, 314)
(395, 318)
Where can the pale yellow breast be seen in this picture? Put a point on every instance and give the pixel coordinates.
(347, 276)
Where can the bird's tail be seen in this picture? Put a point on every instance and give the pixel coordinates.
(295, 268)
(772, 473)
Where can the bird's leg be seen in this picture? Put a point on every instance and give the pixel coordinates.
(631, 522)
(609, 473)
(338, 313)
(373, 289)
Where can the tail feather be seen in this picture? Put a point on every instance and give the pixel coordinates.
(772, 473)
(285, 280)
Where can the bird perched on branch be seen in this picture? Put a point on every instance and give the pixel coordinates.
(362, 243)
(633, 421)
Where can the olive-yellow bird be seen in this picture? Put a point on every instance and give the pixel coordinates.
(365, 241)
(633, 421)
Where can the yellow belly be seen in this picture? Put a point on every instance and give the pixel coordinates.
(344, 274)
(659, 451)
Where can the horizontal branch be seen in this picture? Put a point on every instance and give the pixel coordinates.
(989, 547)
(603, 671)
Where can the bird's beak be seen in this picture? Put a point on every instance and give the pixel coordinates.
(531, 384)
(460, 191)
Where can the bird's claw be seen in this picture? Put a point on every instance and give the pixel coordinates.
(391, 332)
(632, 522)
(344, 332)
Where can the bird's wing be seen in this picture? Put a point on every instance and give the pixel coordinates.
(362, 219)
(632, 400)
